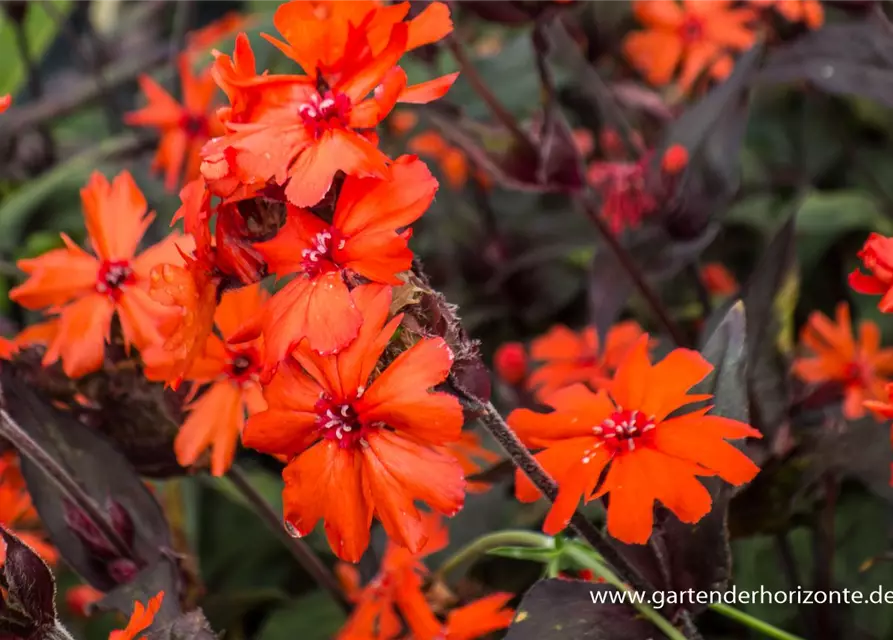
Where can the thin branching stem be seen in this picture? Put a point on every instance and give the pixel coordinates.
(470, 73)
(589, 202)
(298, 547)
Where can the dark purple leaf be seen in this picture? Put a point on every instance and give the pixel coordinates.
(712, 131)
(158, 577)
(660, 258)
(770, 393)
(562, 609)
(29, 581)
(105, 476)
(853, 58)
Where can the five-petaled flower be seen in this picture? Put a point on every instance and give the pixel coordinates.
(695, 36)
(860, 366)
(397, 591)
(649, 456)
(567, 357)
(360, 445)
(216, 418)
(877, 257)
(367, 238)
(184, 128)
(140, 620)
(87, 290)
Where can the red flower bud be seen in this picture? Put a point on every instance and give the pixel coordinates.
(510, 362)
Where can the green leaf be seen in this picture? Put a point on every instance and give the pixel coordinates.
(41, 28)
(526, 553)
(826, 216)
(70, 175)
(313, 617)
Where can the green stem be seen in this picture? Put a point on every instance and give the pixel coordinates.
(754, 623)
(589, 560)
(479, 547)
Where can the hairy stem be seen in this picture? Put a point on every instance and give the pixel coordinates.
(298, 548)
(525, 461)
(58, 475)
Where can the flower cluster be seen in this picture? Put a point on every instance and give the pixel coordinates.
(294, 185)
(684, 40)
(399, 590)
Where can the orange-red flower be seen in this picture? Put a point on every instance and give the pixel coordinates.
(718, 280)
(302, 134)
(468, 451)
(87, 290)
(141, 619)
(217, 417)
(362, 240)
(479, 618)
(809, 12)
(5, 101)
(568, 357)
(334, 40)
(189, 292)
(17, 513)
(41, 333)
(361, 446)
(452, 160)
(201, 40)
(877, 258)
(397, 591)
(80, 599)
(694, 36)
(184, 128)
(649, 456)
(861, 367)
(884, 408)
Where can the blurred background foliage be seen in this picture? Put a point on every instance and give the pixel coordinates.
(516, 263)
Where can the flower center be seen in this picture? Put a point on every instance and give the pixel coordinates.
(339, 421)
(691, 30)
(325, 112)
(855, 374)
(626, 199)
(319, 256)
(195, 125)
(624, 428)
(242, 365)
(114, 274)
